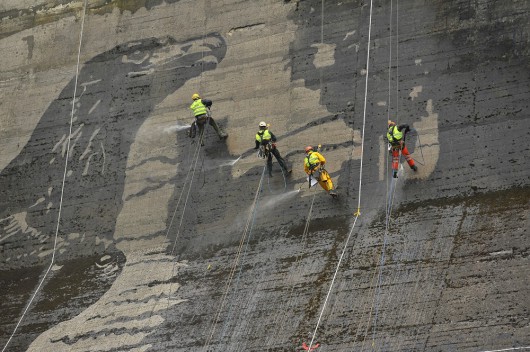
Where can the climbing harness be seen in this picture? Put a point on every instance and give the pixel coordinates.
(264, 150)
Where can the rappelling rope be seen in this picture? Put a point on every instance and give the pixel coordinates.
(358, 212)
(289, 300)
(63, 182)
(246, 232)
(191, 171)
(390, 198)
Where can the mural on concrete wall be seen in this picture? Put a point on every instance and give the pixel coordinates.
(333, 62)
(116, 92)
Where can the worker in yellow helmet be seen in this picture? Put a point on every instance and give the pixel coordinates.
(396, 138)
(314, 166)
(201, 108)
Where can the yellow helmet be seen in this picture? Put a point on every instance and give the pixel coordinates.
(195, 96)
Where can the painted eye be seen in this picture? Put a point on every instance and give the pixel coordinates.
(136, 54)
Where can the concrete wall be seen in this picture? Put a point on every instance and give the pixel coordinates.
(119, 233)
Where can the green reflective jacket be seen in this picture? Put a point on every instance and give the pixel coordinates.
(198, 107)
(264, 135)
(394, 135)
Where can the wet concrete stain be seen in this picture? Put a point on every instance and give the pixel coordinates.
(456, 236)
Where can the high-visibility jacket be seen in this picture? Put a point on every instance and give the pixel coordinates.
(263, 135)
(198, 108)
(394, 135)
(312, 160)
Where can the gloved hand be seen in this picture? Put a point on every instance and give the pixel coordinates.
(273, 145)
(256, 147)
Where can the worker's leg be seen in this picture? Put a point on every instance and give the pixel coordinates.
(407, 156)
(395, 161)
(326, 178)
(220, 133)
(200, 126)
(192, 131)
(279, 158)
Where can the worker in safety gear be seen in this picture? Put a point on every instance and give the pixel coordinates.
(201, 111)
(396, 138)
(314, 166)
(267, 139)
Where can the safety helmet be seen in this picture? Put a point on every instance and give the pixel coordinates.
(195, 96)
(262, 124)
(308, 148)
(391, 123)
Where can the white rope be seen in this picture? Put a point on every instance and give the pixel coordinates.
(288, 302)
(357, 214)
(246, 233)
(389, 201)
(509, 349)
(62, 187)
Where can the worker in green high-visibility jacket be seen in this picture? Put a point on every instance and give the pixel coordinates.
(200, 108)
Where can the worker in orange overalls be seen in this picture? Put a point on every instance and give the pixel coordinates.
(396, 138)
(314, 166)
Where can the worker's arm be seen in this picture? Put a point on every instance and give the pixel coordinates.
(273, 137)
(320, 158)
(207, 102)
(403, 128)
(257, 144)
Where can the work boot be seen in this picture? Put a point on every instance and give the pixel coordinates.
(414, 167)
(223, 135)
(394, 174)
(333, 193)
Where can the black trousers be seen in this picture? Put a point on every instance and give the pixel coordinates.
(278, 157)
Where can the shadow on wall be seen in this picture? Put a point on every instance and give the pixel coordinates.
(115, 94)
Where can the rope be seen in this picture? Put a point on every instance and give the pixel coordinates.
(509, 349)
(358, 212)
(63, 182)
(390, 199)
(246, 231)
(289, 300)
(421, 150)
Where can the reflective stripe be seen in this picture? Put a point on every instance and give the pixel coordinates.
(198, 108)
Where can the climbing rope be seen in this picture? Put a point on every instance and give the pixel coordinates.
(244, 239)
(358, 212)
(389, 198)
(56, 235)
(288, 302)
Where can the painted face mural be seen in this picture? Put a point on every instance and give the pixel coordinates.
(115, 94)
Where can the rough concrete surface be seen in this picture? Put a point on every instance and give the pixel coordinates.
(120, 233)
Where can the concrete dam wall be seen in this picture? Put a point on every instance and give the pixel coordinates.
(118, 232)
